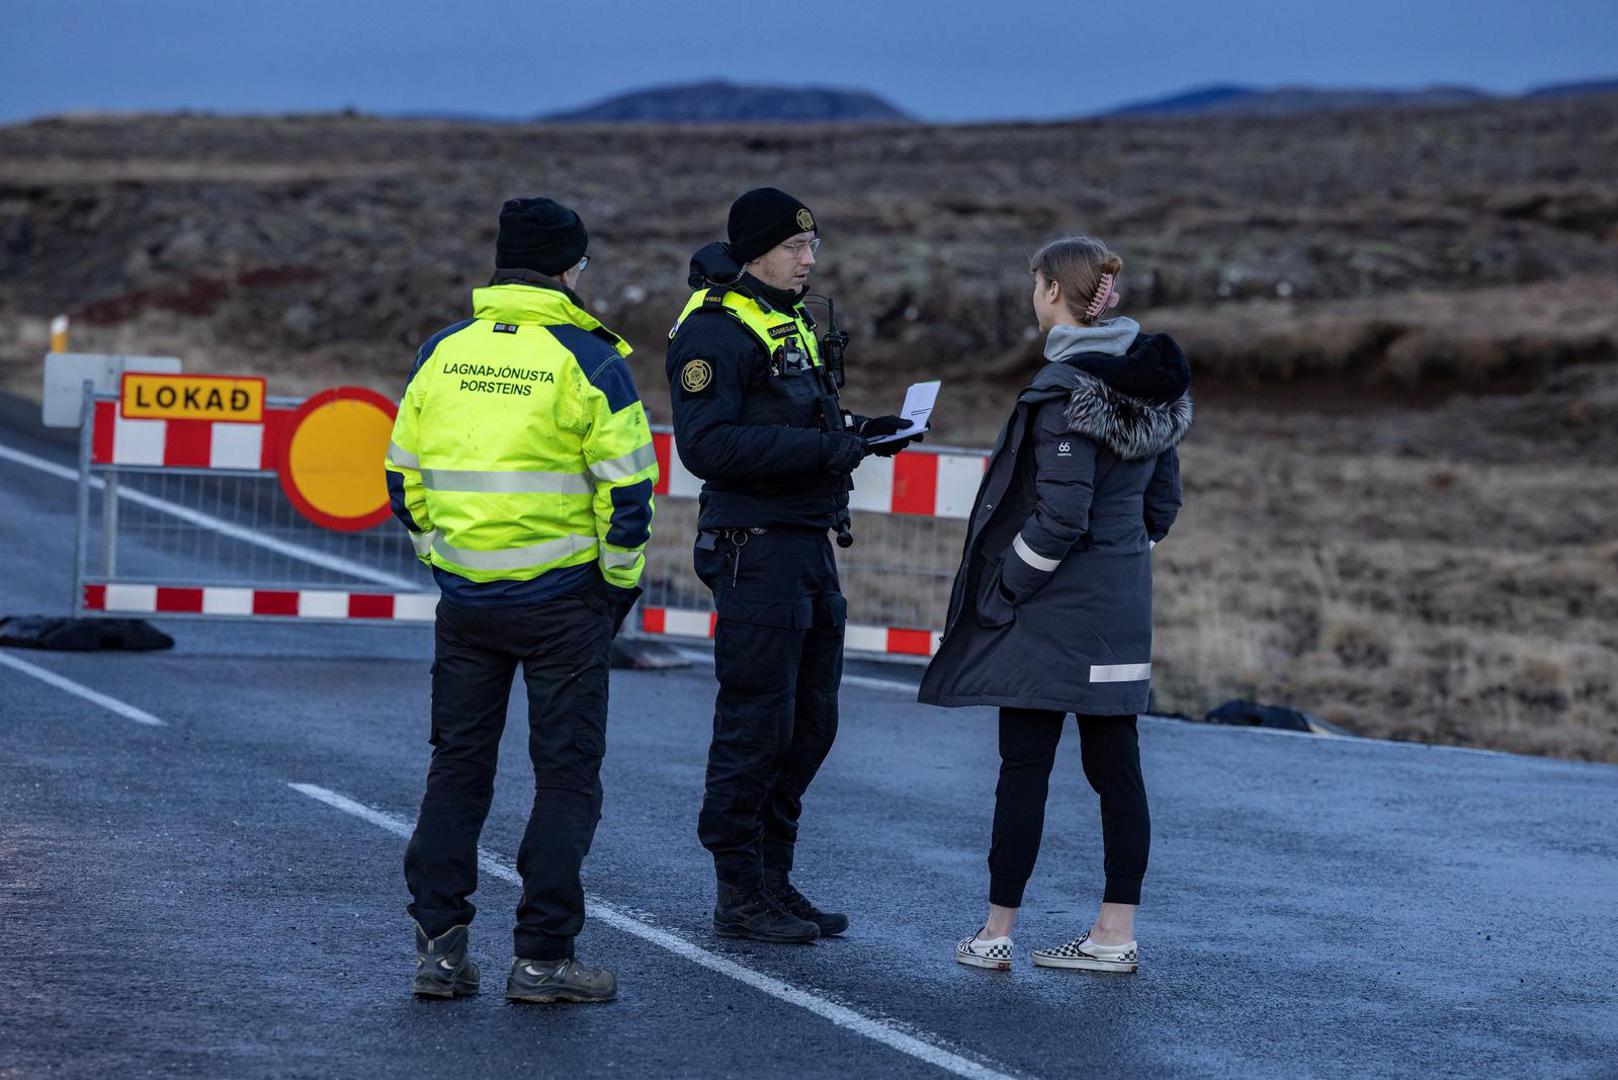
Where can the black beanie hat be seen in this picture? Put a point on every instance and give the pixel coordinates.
(764, 217)
(539, 234)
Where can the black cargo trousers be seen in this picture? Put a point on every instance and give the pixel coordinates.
(562, 647)
(778, 655)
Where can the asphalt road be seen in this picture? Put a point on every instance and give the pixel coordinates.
(171, 905)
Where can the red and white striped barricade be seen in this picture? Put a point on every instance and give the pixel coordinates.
(194, 522)
(909, 512)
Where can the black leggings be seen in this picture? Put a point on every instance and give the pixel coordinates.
(1111, 755)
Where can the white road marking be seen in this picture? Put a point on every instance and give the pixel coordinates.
(883, 1031)
(894, 685)
(897, 686)
(224, 528)
(128, 712)
(1329, 737)
(49, 467)
(700, 657)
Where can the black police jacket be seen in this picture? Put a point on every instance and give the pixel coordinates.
(753, 435)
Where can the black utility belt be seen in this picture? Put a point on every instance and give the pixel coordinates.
(708, 539)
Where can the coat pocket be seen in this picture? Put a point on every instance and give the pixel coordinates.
(993, 607)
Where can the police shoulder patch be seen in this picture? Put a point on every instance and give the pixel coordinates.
(695, 376)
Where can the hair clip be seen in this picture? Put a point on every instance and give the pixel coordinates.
(1104, 297)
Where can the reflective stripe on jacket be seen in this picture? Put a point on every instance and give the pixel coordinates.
(521, 445)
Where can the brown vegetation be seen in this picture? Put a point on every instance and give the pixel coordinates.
(1400, 492)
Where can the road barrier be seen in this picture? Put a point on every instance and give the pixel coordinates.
(193, 518)
(909, 516)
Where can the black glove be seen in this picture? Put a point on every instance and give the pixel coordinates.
(877, 426)
(621, 601)
(841, 451)
(874, 427)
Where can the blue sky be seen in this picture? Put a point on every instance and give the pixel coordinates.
(941, 61)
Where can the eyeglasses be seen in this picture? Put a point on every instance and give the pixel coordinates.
(797, 247)
(584, 261)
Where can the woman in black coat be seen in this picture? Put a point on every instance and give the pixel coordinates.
(1052, 607)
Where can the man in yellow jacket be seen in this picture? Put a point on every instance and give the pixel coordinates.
(523, 467)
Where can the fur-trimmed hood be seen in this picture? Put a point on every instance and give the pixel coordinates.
(1130, 427)
(1136, 405)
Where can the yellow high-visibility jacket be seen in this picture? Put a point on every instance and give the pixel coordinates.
(521, 452)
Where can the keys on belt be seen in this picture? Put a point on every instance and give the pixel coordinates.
(708, 540)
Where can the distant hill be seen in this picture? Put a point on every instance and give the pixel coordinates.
(1202, 99)
(724, 102)
(1228, 100)
(1234, 100)
(1575, 89)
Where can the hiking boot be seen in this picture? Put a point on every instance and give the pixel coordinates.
(752, 913)
(779, 886)
(547, 981)
(443, 969)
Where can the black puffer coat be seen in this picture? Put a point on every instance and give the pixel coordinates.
(1052, 605)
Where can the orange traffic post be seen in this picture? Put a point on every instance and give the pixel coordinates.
(59, 334)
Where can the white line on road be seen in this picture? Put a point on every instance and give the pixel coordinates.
(49, 467)
(881, 1031)
(236, 532)
(128, 712)
(897, 686)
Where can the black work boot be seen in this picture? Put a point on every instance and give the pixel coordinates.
(547, 981)
(751, 913)
(443, 969)
(779, 886)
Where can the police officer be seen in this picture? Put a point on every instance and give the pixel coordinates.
(756, 417)
(523, 467)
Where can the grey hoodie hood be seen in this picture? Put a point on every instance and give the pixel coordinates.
(1110, 337)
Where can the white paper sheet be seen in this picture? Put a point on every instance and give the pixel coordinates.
(917, 409)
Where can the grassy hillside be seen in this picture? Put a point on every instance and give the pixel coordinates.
(1404, 325)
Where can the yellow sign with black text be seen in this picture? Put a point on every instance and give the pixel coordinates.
(228, 398)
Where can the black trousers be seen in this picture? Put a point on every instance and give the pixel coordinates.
(562, 648)
(1110, 751)
(778, 655)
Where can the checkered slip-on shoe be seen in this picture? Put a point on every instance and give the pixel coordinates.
(1084, 954)
(991, 953)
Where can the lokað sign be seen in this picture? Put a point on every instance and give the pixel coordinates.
(227, 398)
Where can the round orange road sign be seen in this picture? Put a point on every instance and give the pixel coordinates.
(331, 458)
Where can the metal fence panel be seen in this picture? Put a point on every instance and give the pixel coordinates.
(226, 542)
